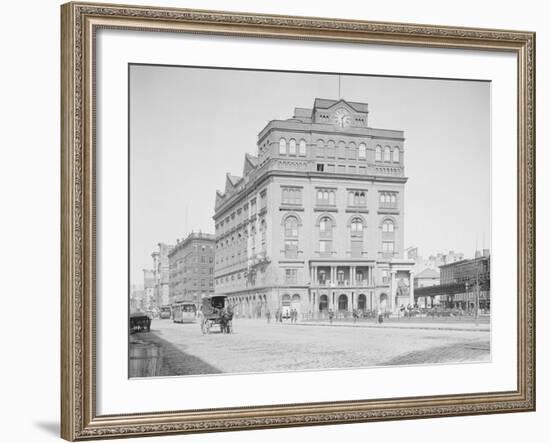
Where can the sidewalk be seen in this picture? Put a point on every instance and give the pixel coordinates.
(399, 324)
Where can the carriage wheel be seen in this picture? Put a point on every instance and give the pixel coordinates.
(207, 325)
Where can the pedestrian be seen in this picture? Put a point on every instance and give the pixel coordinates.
(330, 315)
(355, 315)
(268, 315)
(380, 316)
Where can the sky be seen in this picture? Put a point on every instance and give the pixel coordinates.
(190, 126)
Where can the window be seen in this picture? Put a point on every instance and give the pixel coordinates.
(387, 246)
(356, 227)
(387, 154)
(302, 147)
(388, 199)
(330, 149)
(352, 151)
(385, 276)
(341, 150)
(325, 246)
(395, 157)
(291, 248)
(378, 156)
(341, 276)
(291, 196)
(325, 227)
(292, 147)
(388, 226)
(291, 226)
(291, 275)
(263, 230)
(320, 167)
(357, 198)
(282, 146)
(362, 151)
(356, 233)
(320, 148)
(326, 197)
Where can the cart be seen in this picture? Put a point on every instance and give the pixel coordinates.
(215, 310)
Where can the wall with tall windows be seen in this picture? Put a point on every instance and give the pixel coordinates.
(316, 220)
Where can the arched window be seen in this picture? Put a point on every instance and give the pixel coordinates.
(356, 226)
(378, 157)
(330, 149)
(320, 145)
(291, 237)
(291, 226)
(325, 227)
(341, 150)
(302, 147)
(282, 146)
(388, 226)
(395, 157)
(292, 147)
(352, 151)
(356, 231)
(387, 154)
(362, 151)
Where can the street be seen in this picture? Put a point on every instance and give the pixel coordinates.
(258, 346)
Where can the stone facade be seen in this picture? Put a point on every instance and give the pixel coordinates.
(161, 271)
(191, 264)
(316, 221)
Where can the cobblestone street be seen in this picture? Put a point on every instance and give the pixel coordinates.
(256, 346)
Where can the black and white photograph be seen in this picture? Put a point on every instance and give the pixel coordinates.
(298, 221)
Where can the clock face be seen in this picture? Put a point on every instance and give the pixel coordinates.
(342, 118)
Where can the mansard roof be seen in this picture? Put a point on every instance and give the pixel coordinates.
(250, 163)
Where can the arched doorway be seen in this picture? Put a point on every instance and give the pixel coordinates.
(323, 303)
(362, 302)
(286, 306)
(383, 301)
(295, 303)
(343, 302)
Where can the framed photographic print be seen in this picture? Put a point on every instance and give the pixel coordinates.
(283, 221)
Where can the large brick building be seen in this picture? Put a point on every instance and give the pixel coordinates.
(191, 263)
(316, 220)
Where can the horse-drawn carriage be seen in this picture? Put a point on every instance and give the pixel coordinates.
(215, 310)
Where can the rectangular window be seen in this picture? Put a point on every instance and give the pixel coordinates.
(291, 196)
(330, 168)
(356, 248)
(320, 167)
(342, 169)
(325, 246)
(387, 246)
(291, 248)
(326, 197)
(388, 199)
(291, 276)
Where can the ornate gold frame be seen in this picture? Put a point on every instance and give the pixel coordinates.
(79, 21)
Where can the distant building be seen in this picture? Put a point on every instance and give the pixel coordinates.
(161, 270)
(316, 221)
(433, 261)
(191, 264)
(462, 282)
(428, 277)
(137, 296)
(149, 299)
